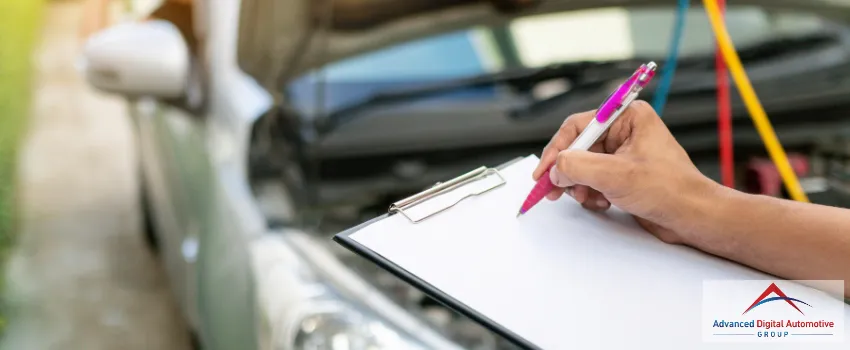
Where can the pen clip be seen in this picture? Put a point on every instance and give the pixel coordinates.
(634, 84)
(605, 101)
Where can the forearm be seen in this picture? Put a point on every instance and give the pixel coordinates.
(789, 239)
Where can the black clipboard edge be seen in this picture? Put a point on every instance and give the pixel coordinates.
(347, 242)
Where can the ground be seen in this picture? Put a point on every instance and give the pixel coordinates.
(81, 276)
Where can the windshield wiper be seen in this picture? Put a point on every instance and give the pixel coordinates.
(582, 75)
(770, 49)
(579, 73)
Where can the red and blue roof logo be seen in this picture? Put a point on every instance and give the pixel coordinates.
(763, 299)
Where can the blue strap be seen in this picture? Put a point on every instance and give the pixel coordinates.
(669, 68)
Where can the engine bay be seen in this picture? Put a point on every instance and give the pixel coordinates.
(327, 196)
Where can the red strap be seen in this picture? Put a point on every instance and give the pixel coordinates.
(724, 116)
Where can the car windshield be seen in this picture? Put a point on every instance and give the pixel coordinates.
(533, 41)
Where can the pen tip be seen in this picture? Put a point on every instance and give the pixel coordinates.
(519, 213)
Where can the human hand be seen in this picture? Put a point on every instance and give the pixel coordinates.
(636, 165)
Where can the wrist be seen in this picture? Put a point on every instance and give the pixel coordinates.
(702, 209)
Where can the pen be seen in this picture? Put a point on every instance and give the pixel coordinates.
(607, 113)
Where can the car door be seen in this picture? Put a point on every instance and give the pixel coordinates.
(199, 211)
(174, 175)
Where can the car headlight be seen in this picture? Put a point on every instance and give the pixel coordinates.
(347, 329)
(309, 301)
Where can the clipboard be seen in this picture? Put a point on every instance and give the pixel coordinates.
(531, 287)
(398, 208)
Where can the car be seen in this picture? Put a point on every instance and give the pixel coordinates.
(287, 121)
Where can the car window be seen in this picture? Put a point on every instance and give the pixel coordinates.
(440, 57)
(620, 33)
(436, 58)
(533, 41)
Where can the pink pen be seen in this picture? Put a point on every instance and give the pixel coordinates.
(607, 113)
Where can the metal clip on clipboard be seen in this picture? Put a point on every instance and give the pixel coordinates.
(404, 206)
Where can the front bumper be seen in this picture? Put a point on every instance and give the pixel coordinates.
(307, 299)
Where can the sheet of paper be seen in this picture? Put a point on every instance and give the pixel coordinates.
(562, 277)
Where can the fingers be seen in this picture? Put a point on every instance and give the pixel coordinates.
(560, 180)
(600, 171)
(589, 198)
(639, 121)
(555, 194)
(580, 193)
(579, 180)
(565, 136)
(595, 201)
(564, 185)
(640, 113)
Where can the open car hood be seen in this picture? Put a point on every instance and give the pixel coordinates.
(281, 39)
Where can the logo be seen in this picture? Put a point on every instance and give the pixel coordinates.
(762, 299)
(784, 311)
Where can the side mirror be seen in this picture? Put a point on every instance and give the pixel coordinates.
(138, 59)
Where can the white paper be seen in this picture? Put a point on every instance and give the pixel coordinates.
(560, 276)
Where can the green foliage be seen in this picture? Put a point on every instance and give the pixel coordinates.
(19, 24)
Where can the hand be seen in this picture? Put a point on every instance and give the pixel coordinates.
(636, 165)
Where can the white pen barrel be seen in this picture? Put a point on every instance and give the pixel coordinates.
(589, 136)
(595, 129)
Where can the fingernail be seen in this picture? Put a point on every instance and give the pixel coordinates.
(601, 203)
(553, 176)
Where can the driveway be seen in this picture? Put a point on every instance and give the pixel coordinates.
(81, 277)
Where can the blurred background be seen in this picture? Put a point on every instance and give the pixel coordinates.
(171, 172)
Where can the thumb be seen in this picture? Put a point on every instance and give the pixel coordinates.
(600, 171)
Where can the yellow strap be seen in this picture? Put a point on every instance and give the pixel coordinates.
(768, 136)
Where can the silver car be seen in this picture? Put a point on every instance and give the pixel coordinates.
(287, 121)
